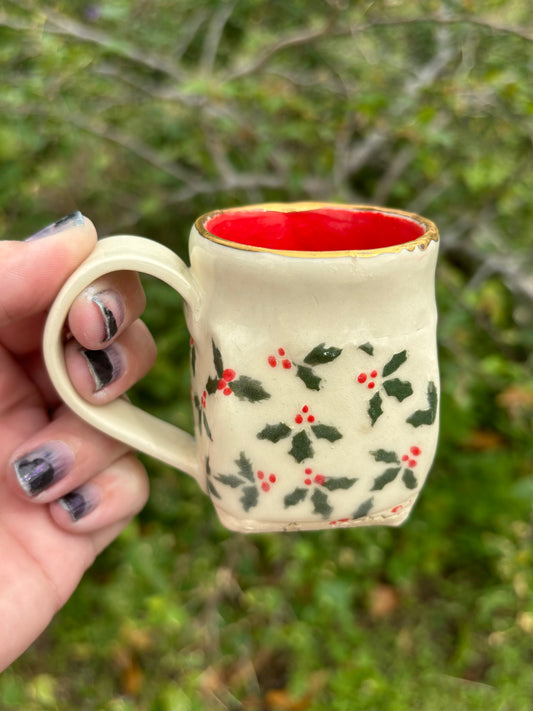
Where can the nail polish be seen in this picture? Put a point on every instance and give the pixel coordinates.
(104, 366)
(112, 311)
(64, 223)
(39, 469)
(79, 502)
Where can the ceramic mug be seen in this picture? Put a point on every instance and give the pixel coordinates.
(313, 362)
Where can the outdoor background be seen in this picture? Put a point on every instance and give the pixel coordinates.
(145, 114)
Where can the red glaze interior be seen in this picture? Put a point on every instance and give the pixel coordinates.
(320, 230)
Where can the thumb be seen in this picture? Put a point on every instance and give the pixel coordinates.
(32, 272)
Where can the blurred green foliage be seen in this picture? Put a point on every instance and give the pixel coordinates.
(144, 114)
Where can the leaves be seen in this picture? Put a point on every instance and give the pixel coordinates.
(322, 354)
(383, 455)
(409, 479)
(426, 417)
(246, 388)
(328, 432)
(249, 498)
(367, 348)
(229, 480)
(400, 389)
(275, 433)
(245, 467)
(308, 377)
(217, 359)
(363, 508)
(374, 408)
(385, 478)
(295, 497)
(321, 504)
(394, 363)
(341, 482)
(301, 447)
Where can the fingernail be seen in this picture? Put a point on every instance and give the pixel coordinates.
(39, 469)
(112, 311)
(80, 502)
(104, 366)
(75, 218)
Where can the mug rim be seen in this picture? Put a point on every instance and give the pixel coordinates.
(431, 233)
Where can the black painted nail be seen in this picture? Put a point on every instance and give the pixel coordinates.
(64, 223)
(105, 366)
(39, 469)
(80, 502)
(109, 304)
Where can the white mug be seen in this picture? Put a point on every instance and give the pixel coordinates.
(314, 371)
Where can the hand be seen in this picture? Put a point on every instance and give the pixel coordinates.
(66, 490)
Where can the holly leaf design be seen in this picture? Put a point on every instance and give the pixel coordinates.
(308, 377)
(328, 432)
(274, 433)
(409, 479)
(394, 363)
(341, 482)
(246, 388)
(245, 467)
(374, 408)
(193, 360)
(364, 508)
(203, 419)
(217, 359)
(301, 447)
(322, 354)
(400, 389)
(249, 498)
(385, 478)
(229, 480)
(382, 455)
(426, 417)
(321, 503)
(212, 490)
(212, 385)
(295, 497)
(367, 348)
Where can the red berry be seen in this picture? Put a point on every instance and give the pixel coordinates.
(371, 385)
(311, 418)
(272, 361)
(286, 364)
(308, 482)
(416, 451)
(320, 479)
(361, 378)
(227, 391)
(281, 351)
(373, 373)
(260, 475)
(412, 462)
(204, 394)
(405, 458)
(298, 419)
(265, 486)
(272, 478)
(308, 471)
(221, 384)
(228, 375)
(305, 408)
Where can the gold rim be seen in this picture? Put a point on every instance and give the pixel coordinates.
(431, 233)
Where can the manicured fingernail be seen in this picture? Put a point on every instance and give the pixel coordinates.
(39, 469)
(112, 311)
(75, 218)
(104, 366)
(80, 502)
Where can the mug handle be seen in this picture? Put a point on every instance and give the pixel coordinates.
(120, 419)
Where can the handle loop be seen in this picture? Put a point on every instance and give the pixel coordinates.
(119, 418)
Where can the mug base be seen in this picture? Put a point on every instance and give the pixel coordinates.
(389, 517)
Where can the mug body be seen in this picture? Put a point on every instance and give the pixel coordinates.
(314, 364)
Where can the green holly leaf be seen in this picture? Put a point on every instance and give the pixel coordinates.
(206, 426)
(249, 498)
(367, 348)
(400, 389)
(322, 354)
(217, 359)
(321, 504)
(212, 490)
(394, 363)
(409, 479)
(426, 417)
(193, 360)
(364, 508)
(295, 497)
(385, 478)
(301, 447)
(274, 433)
(341, 482)
(229, 480)
(383, 455)
(328, 432)
(246, 388)
(308, 377)
(374, 408)
(212, 385)
(245, 467)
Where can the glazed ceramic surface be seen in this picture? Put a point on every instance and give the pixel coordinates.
(314, 370)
